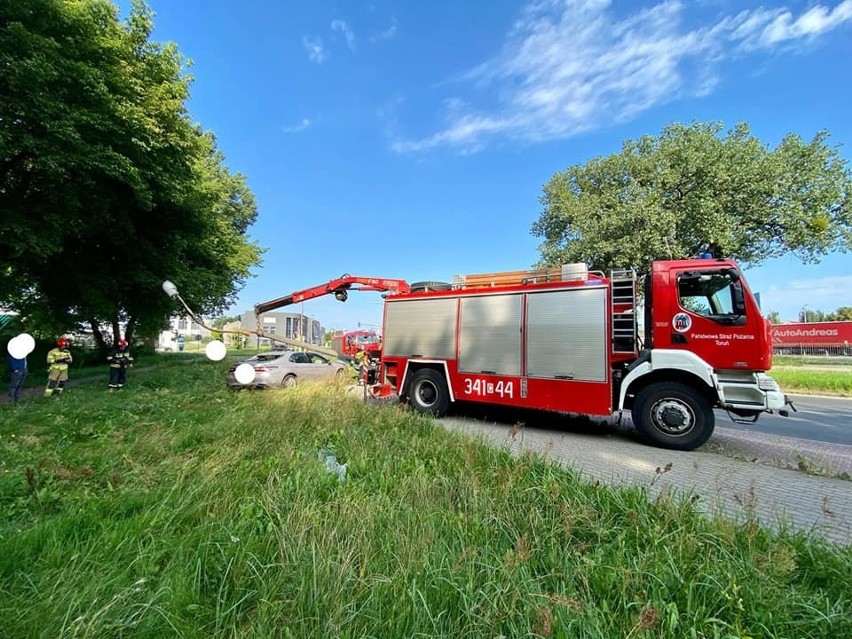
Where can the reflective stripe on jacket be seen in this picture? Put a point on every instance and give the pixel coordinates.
(58, 359)
(119, 359)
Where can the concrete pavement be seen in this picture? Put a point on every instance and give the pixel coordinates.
(743, 482)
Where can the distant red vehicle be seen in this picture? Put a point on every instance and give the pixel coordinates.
(813, 337)
(348, 344)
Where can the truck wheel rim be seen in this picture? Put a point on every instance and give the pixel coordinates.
(427, 394)
(672, 417)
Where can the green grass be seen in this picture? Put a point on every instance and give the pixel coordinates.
(823, 361)
(178, 509)
(805, 379)
(813, 374)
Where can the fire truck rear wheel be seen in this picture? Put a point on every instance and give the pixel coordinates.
(672, 415)
(429, 393)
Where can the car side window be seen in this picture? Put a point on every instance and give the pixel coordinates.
(318, 359)
(299, 358)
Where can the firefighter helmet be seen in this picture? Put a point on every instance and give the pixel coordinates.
(122, 343)
(62, 342)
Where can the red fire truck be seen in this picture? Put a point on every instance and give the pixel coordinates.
(568, 340)
(347, 345)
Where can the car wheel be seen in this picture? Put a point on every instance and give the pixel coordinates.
(288, 382)
(428, 393)
(672, 415)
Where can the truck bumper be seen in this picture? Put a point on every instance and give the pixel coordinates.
(749, 391)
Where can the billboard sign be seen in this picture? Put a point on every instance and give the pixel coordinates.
(812, 334)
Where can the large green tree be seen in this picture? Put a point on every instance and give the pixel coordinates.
(666, 196)
(107, 187)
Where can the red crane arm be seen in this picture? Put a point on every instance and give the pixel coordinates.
(337, 287)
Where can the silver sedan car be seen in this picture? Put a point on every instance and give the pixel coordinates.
(283, 369)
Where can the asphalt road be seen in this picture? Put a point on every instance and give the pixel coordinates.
(822, 419)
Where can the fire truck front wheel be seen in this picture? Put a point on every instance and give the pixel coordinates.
(429, 393)
(672, 415)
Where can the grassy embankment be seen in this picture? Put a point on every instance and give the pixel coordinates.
(176, 508)
(826, 375)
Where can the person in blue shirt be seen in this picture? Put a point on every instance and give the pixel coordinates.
(17, 375)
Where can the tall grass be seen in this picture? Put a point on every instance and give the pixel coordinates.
(178, 509)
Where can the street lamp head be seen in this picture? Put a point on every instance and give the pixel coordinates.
(170, 289)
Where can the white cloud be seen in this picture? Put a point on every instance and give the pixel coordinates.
(316, 52)
(387, 34)
(340, 25)
(765, 29)
(569, 66)
(301, 126)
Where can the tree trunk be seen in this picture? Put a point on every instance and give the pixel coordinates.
(98, 335)
(130, 330)
(116, 330)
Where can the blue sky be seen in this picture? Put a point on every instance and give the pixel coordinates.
(411, 139)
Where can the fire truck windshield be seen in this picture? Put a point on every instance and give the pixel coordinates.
(716, 295)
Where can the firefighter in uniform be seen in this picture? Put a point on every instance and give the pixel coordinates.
(366, 368)
(360, 362)
(119, 361)
(57, 360)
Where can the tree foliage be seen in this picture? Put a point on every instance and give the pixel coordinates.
(842, 314)
(774, 317)
(107, 187)
(666, 196)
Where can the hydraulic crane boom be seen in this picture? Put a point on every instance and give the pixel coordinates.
(338, 287)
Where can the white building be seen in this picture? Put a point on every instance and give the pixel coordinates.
(180, 331)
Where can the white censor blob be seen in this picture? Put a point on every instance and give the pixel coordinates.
(244, 373)
(28, 341)
(21, 346)
(216, 350)
(16, 348)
